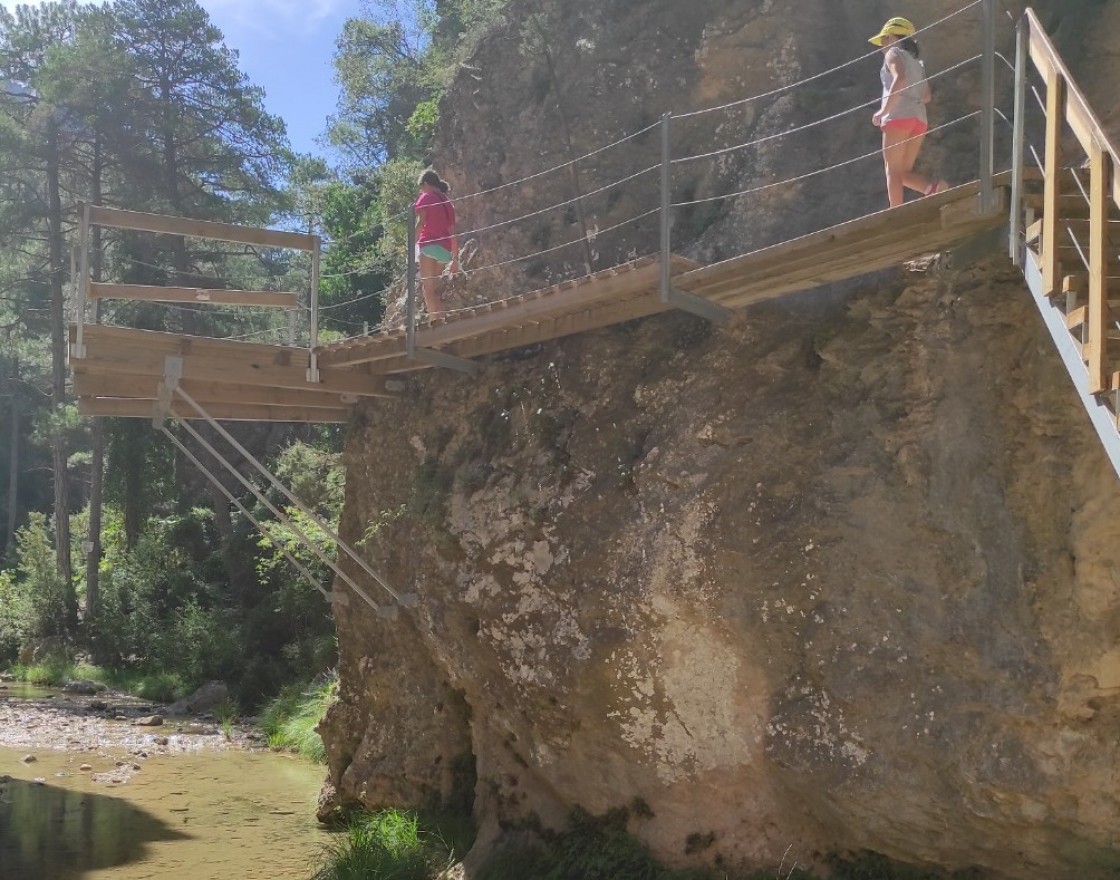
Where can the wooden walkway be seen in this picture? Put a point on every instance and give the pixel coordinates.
(121, 370)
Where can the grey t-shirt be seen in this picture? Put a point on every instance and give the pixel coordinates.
(909, 103)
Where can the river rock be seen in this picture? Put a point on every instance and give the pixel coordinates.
(85, 768)
(149, 721)
(28, 759)
(161, 740)
(211, 694)
(83, 686)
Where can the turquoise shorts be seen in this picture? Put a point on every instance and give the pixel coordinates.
(436, 252)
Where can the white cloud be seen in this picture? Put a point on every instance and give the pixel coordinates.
(270, 19)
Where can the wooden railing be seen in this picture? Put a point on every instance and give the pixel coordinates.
(88, 290)
(1063, 209)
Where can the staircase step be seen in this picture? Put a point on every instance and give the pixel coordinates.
(1078, 283)
(1076, 317)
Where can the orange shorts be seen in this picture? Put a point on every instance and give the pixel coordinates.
(910, 126)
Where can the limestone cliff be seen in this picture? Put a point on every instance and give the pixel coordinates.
(841, 576)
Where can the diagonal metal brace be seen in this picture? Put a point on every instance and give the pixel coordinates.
(697, 305)
(445, 360)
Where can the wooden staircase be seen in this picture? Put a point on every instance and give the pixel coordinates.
(1070, 248)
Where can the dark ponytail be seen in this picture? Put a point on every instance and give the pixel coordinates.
(910, 45)
(431, 178)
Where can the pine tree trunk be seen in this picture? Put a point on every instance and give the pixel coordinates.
(97, 438)
(58, 374)
(13, 467)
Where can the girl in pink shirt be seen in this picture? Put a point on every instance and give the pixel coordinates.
(436, 238)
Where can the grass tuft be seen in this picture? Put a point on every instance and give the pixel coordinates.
(388, 845)
(290, 720)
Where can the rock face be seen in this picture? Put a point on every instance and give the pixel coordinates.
(841, 576)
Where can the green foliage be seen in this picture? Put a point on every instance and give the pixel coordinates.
(590, 849)
(33, 597)
(53, 672)
(289, 721)
(388, 845)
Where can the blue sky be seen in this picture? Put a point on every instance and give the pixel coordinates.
(286, 47)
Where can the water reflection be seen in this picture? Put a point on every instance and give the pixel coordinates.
(49, 833)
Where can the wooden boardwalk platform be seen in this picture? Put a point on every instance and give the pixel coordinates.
(121, 370)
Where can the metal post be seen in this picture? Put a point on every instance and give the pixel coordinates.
(1018, 141)
(83, 286)
(313, 368)
(987, 107)
(410, 281)
(666, 203)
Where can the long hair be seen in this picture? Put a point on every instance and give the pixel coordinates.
(431, 178)
(910, 45)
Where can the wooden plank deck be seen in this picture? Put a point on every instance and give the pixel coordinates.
(121, 370)
(847, 250)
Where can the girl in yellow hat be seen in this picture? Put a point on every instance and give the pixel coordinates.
(902, 115)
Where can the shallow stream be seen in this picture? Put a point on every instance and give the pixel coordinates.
(194, 813)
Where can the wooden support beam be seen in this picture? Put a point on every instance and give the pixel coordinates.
(124, 351)
(1101, 171)
(123, 385)
(143, 409)
(1055, 103)
(161, 223)
(153, 293)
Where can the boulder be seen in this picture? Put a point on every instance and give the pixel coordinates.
(83, 686)
(210, 695)
(149, 721)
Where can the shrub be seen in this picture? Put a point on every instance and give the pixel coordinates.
(290, 720)
(388, 845)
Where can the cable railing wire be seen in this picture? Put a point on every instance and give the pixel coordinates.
(563, 204)
(818, 171)
(809, 79)
(816, 122)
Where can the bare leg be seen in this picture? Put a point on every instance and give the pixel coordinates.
(430, 270)
(916, 182)
(894, 161)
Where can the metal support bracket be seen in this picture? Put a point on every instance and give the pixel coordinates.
(442, 359)
(977, 248)
(172, 374)
(1100, 413)
(687, 302)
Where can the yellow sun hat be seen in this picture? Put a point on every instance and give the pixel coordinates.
(898, 27)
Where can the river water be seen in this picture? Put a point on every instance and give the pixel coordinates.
(195, 813)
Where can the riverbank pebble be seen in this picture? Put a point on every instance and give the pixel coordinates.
(70, 723)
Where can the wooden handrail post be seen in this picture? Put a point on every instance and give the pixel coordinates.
(1100, 183)
(83, 284)
(313, 344)
(1055, 113)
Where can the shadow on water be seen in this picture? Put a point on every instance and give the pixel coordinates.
(49, 833)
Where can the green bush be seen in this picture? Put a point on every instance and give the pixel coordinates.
(388, 845)
(33, 597)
